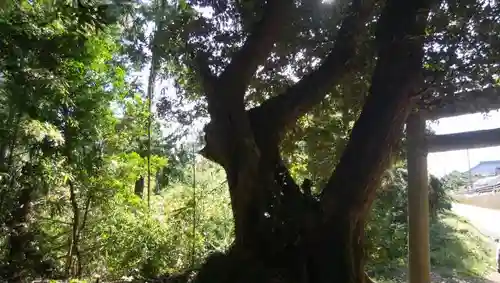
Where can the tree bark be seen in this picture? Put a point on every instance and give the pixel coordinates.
(139, 187)
(73, 242)
(230, 132)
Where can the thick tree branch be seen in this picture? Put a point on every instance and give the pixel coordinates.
(202, 69)
(400, 35)
(230, 138)
(268, 121)
(257, 46)
(300, 98)
(271, 117)
(226, 95)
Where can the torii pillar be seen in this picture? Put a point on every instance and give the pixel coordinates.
(418, 201)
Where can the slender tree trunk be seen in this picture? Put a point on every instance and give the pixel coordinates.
(73, 241)
(80, 231)
(20, 237)
(12, 122)
(7, 150)
(160, 6)
(73, 245)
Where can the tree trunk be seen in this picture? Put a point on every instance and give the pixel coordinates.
(139, 187)
(20, 237)
(295, 247)
(73, 241)
(283, 235)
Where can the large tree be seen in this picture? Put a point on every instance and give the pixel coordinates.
(321, 242)
(283, 58)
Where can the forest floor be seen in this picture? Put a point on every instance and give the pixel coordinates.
(493, 277)
(447, 277)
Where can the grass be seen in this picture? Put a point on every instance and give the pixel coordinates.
(462, 248)
(459, 253)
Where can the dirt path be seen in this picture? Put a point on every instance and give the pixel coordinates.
(481, 218)
(436, 278)
(494, 277)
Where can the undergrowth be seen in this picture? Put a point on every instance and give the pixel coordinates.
(459, 253)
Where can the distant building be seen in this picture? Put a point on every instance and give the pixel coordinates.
(486, 182)
(486, 168)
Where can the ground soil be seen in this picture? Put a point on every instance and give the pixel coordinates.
(443, 277)
(492, 278)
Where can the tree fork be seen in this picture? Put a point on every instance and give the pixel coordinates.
(284, 109)
(270, 120)
(255, 135)
(337, 240)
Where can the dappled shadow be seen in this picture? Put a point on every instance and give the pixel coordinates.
(441, 276)
(457, 247)
(436, 278)
(459, 254)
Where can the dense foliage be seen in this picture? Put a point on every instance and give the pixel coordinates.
(94, 184)
(460, 181)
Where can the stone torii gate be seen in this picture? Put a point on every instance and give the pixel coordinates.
(419, 145)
